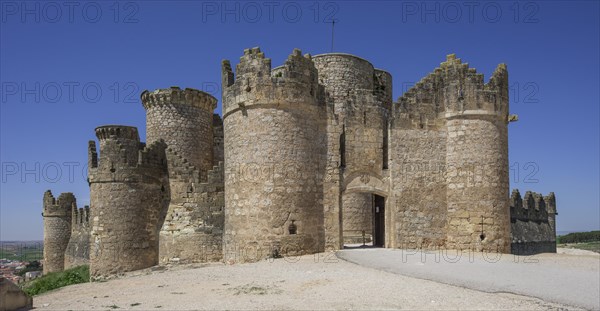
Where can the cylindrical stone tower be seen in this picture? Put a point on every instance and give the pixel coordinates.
(127, 192)
(57, 229)
(349, 82)
(359, 97)
(476, 158)
(274, 151)
(183, 119)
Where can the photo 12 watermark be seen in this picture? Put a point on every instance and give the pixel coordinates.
(69, 91)
(269, 11)
(70, 12)
(471, 12)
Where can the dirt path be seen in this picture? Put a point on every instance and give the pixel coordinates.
(561, 278)
(309, 282)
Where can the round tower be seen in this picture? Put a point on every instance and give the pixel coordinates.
(128, 195)
(348, 82)
(183, 119)
(477, 178)
(57, 229)
(359, 97)
(274, 151)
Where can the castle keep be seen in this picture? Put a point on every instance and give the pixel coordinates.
(307, 157)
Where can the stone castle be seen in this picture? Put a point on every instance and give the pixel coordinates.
(308, 156)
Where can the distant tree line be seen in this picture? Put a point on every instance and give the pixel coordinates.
(579, 237)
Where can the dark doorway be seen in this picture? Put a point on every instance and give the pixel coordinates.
(378, 221)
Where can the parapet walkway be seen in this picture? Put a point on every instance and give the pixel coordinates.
(567, 279)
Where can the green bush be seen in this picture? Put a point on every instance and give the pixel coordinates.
(579, 237)
(56, 280)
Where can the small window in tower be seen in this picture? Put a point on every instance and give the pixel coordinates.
(292, 228)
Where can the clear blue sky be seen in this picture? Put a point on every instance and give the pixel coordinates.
(63, 54)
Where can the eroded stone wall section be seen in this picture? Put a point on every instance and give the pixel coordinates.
(193, 227)
(77, 252)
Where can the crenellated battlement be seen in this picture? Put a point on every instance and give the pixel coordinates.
(176, 96)
(58, 207)
(117, 132)
(123, 157)
(532, 207)
(80, 217)
(456, 90)
(295, 82)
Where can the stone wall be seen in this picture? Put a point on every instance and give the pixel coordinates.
(128, 193)
(77, 252)
(417, 163)
(193, 228)
(57, 229)
(274, 154)
(533, 221)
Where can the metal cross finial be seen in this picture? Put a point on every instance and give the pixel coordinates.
(332, 22)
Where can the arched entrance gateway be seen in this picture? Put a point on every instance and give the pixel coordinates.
(363, 211)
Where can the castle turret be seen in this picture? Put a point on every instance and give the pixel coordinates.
(57, 229)
(476, 116)
(359, 99)
(274, 150)
(454, 120)
(128, 199)
(184, 119)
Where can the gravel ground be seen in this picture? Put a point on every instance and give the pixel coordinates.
(312, 282)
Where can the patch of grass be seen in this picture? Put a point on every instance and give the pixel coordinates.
(56, 280)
